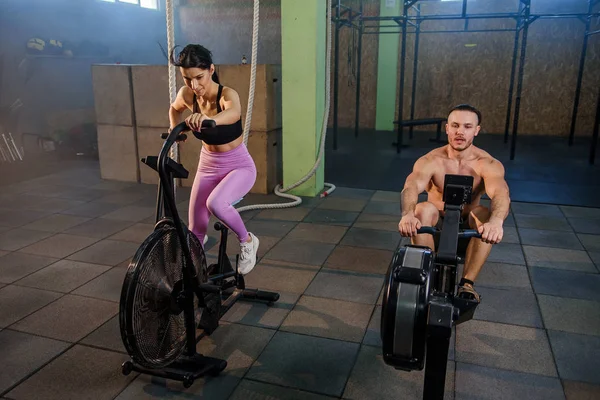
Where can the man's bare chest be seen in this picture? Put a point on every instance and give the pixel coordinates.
(453, 168)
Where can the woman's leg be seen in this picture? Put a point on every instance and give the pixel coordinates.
(234, 186)
(199, 215)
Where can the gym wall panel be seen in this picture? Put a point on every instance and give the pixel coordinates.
(450, 72)
(347, 73)
(559, 6)
(225, 28)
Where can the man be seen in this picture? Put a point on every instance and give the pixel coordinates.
(458, 157)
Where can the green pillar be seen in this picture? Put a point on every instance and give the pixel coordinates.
(303, 46)
(387, 69)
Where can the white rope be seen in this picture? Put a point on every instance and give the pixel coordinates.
(252, 72)
(174, 153)
(278, 190)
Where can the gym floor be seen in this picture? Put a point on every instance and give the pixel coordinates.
(66, 240)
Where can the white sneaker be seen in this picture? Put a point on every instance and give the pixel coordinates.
(248, 252)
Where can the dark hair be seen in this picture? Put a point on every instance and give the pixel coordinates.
(194, 56)
(467, 107)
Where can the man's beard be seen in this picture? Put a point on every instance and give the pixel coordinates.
(464, 146)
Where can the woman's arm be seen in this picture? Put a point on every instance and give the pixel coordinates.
(232, 110)
(178, 107)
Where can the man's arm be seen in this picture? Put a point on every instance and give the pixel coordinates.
(416, 183)
(497, 189)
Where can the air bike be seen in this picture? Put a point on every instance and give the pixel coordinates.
(420, 305)
(169, 292)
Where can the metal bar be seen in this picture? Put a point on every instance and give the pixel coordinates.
(401, 90)
(12, 141)
(8, 148)
(511, 87)
(555, 16)
(595, 135)
(414, 81)
(410, 3)
(477, 16)
(593, 33)
(449, 31)
(346, 22)
(580, 76)
(359, 61)
(464, 8)
(3, 154)
(335, 75)
(520, 83)
(444, 17)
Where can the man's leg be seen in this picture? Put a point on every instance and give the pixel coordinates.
(428, 214)
(477, 251)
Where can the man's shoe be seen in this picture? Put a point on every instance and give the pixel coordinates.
(467, 292)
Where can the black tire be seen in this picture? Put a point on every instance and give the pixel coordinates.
(127, 368)
(151, 319)
(188, 382)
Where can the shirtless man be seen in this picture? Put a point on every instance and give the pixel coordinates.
(459, 157)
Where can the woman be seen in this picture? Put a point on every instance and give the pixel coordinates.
(226, 171)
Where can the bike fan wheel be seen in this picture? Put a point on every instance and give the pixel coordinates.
(151, 315)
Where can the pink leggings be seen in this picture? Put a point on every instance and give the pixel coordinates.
(221, 179)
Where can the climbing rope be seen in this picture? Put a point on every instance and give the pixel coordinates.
(279, 191)
(174, 152)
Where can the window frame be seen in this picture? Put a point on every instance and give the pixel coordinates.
(138, 3)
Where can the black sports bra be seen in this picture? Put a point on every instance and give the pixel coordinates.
(222, 134)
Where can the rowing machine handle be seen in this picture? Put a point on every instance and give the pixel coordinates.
(467, 233)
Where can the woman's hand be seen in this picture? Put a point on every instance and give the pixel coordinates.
(194, 121)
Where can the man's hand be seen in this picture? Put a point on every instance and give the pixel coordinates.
(491, 232)
(408, 225)
(194, 121)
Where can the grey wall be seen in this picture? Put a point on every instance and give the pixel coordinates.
(59, 83)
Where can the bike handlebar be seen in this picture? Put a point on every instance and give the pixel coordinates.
(466, 233)
(183, 127)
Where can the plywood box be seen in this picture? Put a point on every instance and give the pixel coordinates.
(117, 153)
(112, 97)
(151, 94)
(265, 148)
(266, 111)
